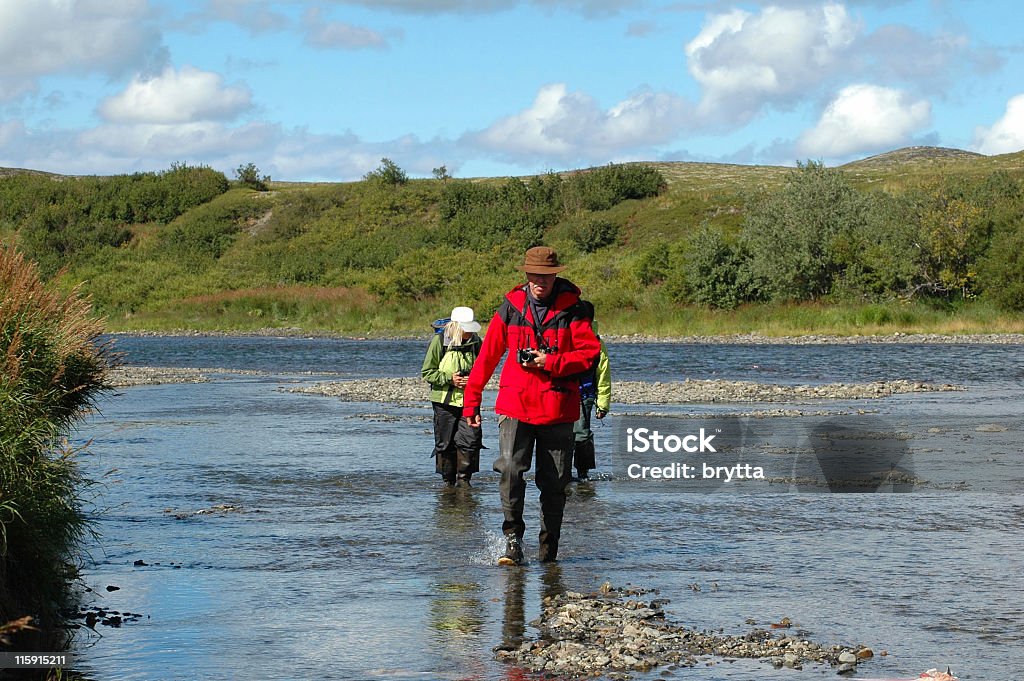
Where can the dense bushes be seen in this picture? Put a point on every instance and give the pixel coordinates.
(817, 237)
(60, 218)
(515, 214)
(52, 370)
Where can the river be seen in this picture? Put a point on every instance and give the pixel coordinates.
(264, 534)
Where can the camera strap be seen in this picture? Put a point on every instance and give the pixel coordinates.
(538, 329)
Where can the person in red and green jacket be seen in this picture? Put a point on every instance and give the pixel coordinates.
(549, 338)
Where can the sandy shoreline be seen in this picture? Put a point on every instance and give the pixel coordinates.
(731, 339)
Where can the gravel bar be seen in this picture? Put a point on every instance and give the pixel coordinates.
(407, 390)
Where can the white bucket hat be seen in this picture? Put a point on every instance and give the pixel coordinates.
(464, 316)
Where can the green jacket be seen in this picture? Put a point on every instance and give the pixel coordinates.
(603, 381)
(442, 363)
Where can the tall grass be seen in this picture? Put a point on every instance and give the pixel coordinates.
(51, 371)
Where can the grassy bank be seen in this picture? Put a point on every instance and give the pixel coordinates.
(50, 372)
(341, 312)
(922, 240)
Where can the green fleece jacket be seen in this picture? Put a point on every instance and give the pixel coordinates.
(441, 364)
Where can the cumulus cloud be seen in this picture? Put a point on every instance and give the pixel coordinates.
(568, 126)
(174, 97)
(41, 37)
(339, 35)
(743, 60)
(864, 118)
(1007, 134)
(787, 51)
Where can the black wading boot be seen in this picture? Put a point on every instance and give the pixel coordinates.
(584, 459)
(446, 467)
(513, 551)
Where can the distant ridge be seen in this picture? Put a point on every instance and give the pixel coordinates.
(7, 172)
(913, 155)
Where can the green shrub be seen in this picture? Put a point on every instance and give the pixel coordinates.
(591, 233)
(1001, 271)
(387, 173)
(52, 371)
(792, 234)
(717, 271)
(417, 275)
(653, 265)
(602, 188)
(248, 175)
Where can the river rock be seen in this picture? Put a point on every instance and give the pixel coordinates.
(612, 631)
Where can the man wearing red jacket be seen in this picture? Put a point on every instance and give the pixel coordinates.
(550, 340)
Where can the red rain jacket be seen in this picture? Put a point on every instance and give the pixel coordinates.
(536, 396)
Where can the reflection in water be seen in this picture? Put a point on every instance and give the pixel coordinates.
(456, 617)
(552, 580)
(456, 623)
(513, 622)
(513, 630)
(457, 514)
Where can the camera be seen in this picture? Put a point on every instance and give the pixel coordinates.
(462, 372)
(526, 355)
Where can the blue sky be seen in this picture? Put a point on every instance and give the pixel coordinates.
(324, 90)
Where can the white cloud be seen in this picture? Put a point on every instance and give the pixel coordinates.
(864, 118)
(569, 126)
(294, 154)
(744, 61)
(337, 34)
(1007, 134)
(174, 97)
(41, 37)
(206, 139)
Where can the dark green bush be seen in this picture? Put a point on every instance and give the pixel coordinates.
(792, 234)
(717, 271)
(387, 173)
(591, 233)
(602, 188)
(248, 175)
(1001, 272)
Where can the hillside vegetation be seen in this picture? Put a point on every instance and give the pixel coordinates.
(920, 239)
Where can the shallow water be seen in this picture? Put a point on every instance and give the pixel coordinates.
(343, 557)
